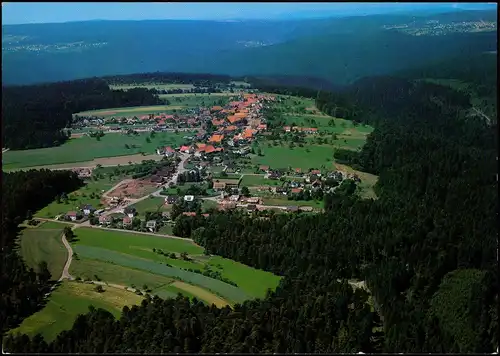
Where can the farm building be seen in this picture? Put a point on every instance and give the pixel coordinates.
(151, 225)
(73, 215)
(105, 220)
(219, 186)
(171, 199)
(87, 209)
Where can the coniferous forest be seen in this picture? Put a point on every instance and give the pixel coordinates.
(426, 249)
(34, 116)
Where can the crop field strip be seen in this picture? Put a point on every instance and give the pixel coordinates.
(225, 290)
(68, 301)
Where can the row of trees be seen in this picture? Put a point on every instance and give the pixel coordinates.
(426, 250)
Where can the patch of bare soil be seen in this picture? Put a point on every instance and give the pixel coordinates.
(136, 188)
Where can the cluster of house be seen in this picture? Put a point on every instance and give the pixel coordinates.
(84, 211)
(307, 130)
(163, 175)
(236, 124)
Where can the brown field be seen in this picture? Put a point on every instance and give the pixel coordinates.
(105, 162)
(136, 188)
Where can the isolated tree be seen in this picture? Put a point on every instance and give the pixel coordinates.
(245, 191)
(68, 232)
(99, 289)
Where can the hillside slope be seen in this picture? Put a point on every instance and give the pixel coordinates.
(339, 50)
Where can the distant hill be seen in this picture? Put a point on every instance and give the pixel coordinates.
(339, 50)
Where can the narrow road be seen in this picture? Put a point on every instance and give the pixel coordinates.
(483, 115)
(173, 179)
(77, 225)
(5, 150)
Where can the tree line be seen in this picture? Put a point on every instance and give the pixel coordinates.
(34, 116)
(425, 250)
(22, 289)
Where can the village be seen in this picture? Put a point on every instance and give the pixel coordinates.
(210, 165)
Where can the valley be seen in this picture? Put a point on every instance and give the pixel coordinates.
(250, 186)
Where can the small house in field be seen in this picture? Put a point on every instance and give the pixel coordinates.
(156, 179)
(219, 186)
(253, 200)
(296, 190)
(87, 209)
(127, 220)
(165, 215)
(151, 225)
(171, 199)
(169, 152)
(73, 215)
(105, 220)
(130, 211)
(279, 190)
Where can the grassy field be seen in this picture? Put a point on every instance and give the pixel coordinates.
(313, 156)
(156, 86)
(53, 225)
(88, 269)
(228, 292)
(44, 243)
(129, 111)
(286, 202)
(86, 149)
(253, 180)
(138, 245)
(68, 301)
(78, 198)
(252, 281)
(151, 204)
(135, 251)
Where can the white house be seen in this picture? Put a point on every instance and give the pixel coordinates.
(188, 197)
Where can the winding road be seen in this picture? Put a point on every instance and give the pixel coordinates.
(173, 179)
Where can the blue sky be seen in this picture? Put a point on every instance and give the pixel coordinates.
(20, 13)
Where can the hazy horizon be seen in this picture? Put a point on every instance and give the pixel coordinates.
(33, 13)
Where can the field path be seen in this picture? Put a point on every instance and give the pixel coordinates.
(180, 169)
(65, 272)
